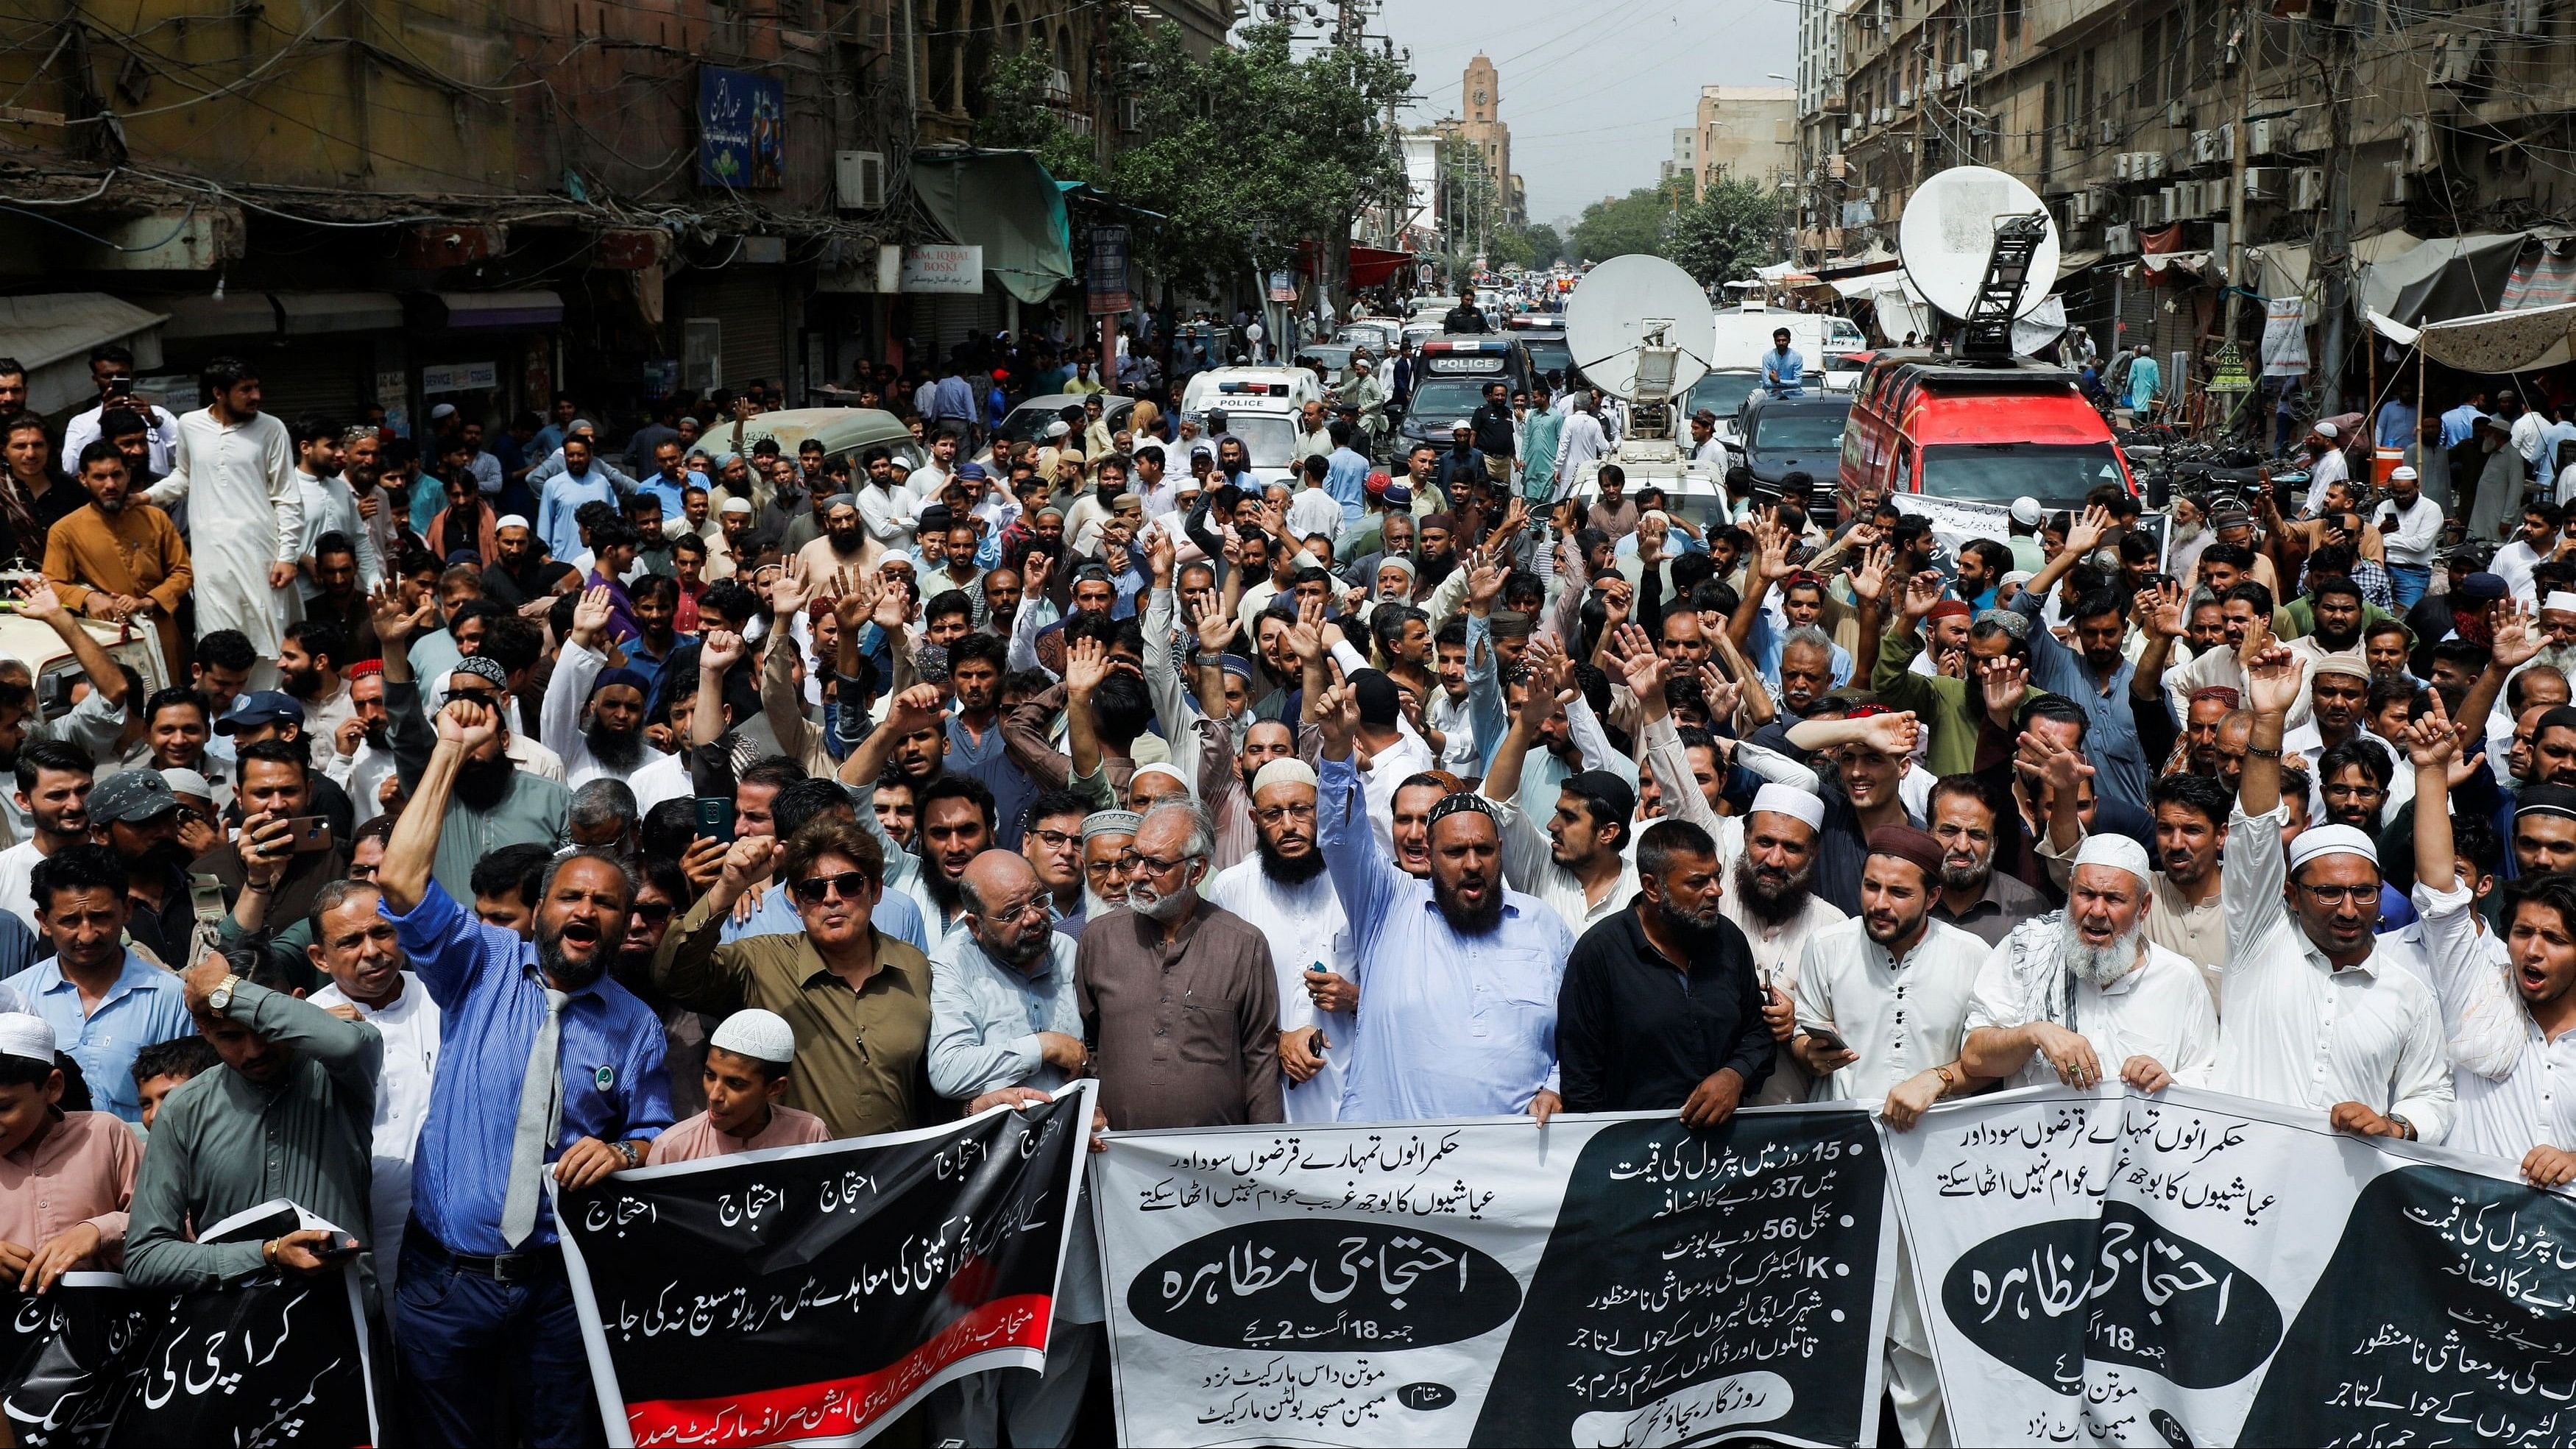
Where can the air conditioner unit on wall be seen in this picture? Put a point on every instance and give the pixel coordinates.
(2307, 188)
(2177, 114)
(2119, 238)
(2265, 183)
(2120, 165)
(2145, 211)
(2264, 134)
(2155, 164)
(1959, 73)
(2106, 132)
(2400, 184)
(2080, 206)
(858, 180)
(2168, 204)
(1978, 60)
(2420, 149)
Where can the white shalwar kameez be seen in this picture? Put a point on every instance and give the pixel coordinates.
(1305, 928)
(246, 514)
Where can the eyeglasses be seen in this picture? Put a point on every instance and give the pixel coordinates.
(1056, 839)
(489, 699)
(814, 890)
(1035, 905)
(2335, 895)
(1273, 814)
(1131, 861)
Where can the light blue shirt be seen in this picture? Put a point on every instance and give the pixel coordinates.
(2145, 378)
(984, 1023)
(565, 494)
(1784, 372)
(2396, 424)
(491, 1002)
(953, 399)
(2458, 424)
(145, 1007)
(896, 915)
(1450, 1025)
(1347, 481)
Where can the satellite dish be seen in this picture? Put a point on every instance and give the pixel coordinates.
(1631, 302)
(1948, 232)
(2042, 325)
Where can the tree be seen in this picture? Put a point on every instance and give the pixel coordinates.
(1631, 223)
(1727, 233)
(1017, 117)
(1527, 246)
(1255, 149)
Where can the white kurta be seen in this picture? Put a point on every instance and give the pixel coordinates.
(1305, 928)
(2505, 1067)
(246, 514)
(2158, 1010)
(410, 1028)
(2298, 1032)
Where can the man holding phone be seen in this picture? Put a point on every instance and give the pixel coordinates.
(111, 371)
(286, 851)
(290, 1115)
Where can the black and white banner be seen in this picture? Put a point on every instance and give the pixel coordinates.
(811, 1294)
(1607, 1280)
(2190, 1268)
(275, 1359)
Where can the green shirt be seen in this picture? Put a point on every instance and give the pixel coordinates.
(222, 1143)
(1948, 709)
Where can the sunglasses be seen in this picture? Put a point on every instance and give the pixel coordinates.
(654, 910)
(814, 890)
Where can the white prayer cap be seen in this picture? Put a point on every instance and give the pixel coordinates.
(1059, 429)
(1160, 767)
(188, 782)
(1286, 770)
(763, 1036)
(442, 412)
(2015, 576)
(2027, 512)
(2560, 599)
(2400, 471)
(1788, 800)
(2118, 851)
(1658, 515)
(736, 505)
(23, 1034)
(2328, 431)
(2319, 840)
(513, 520)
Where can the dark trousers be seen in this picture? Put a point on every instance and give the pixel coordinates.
(490, 1363)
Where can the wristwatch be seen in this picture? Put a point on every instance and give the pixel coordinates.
(2404, 1128)
(628, 1150)
(221, 998)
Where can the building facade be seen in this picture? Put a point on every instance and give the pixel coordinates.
(1746, 133)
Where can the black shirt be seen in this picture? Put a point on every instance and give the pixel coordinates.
(1463, 319)
(1493, 429)
(1634, 1034)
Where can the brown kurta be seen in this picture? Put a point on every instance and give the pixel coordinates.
(136, 552)
(1185, 1035)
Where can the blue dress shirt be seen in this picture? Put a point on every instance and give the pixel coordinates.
(564, 496)
(146, 1006)
(1347, 480)
(491, 1000)
(1450, 1025)
(1784, 372)
(2111, 734)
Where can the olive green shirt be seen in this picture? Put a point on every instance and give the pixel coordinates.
(222, 1143)
(1949, 709)
(862, 1056)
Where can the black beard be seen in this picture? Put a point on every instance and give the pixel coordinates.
(484, 784)
(619, 750)
(1696, 937)
(1966, 878)
(847, 547)
(566, 975)
(304, 683)
(1289, 869)
(1762, 902)
(2335, 642)
(944, 893)
(163, 857)
(1482, 921)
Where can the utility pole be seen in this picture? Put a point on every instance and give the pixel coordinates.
(2246, 55)
(2330, 257)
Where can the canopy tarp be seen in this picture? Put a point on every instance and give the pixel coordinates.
(2441, 279)
(1786, 274)
(2518, 341)
(1372, 265)
(1006, 203)
(52, 333)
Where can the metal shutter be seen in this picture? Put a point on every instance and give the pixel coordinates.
(319, 375)
(751, 313)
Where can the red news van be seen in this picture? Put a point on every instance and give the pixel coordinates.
(1951, 433)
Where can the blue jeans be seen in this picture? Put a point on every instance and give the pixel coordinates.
(2407, 583)
(490, 1363)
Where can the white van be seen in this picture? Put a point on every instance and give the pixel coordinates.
(1744, 334)
(1262, 406)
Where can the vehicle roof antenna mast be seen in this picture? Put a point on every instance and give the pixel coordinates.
(1986, 333)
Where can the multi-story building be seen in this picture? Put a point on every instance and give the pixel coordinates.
(1745, 133)
(1684, 162)
(1480, 101)
(402, 204)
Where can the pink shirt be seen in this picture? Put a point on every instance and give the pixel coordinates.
(80, 1171)
(697, 1137)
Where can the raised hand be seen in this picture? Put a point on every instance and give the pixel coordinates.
(2517, 636)
(2161, 608)
(853, 601)
(2085, 534)
(1485, 585)
(1869, 581)
(468, 723)
(1724, 695)
(1306, 636)
(1033, 574)
(2273, 675)
(1618, 597)
(1216, 628)
(1337, 714)
(787, 596)
(1890, 734)
(1771, 544)
(1646, 672)
(718, 651)
(1922, 592)
(893, 609)
(747, 860)
(2430, 740)
(41, 602)
(1551, 680)
(1086, 666)
(394, 616)
(920, 707)
(590, 616)
(1160, 552)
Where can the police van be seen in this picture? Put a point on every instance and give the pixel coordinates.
(1449, 380)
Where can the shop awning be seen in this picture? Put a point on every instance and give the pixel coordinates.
(500, 309)
(1373, 265)
(309, 313)
(1006, 203)
(1786, 274)
(2446, 277)
(53, 333)
(235, 314)
(2517, 341)
(2069, 263)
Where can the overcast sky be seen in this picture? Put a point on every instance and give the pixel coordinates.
(1592, 89)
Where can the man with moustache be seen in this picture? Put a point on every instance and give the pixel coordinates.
(1106, 836)
(120, 559)
(1626, 1040)
(593, 715)
(2184, 914)
(545, 1064)
(492, 802)
(1975, 897)
(1178, 1001)
(371, 981)
(2082, 994)
(1283, 891)
(1463, 1020)
(843, 545)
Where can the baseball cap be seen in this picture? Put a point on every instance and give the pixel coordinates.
(260, 707)
(130, 797)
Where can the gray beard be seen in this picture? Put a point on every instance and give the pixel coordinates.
(1094, 905)
(1164, 909)
(2101, 965)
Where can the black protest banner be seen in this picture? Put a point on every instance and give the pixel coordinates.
(273, 1359)
(66, 1357)
(813, 1293)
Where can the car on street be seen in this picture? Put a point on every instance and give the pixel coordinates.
(845, 433)
(1027, 423)
(1449, 382)
(1785, 435)
(1723, 392)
